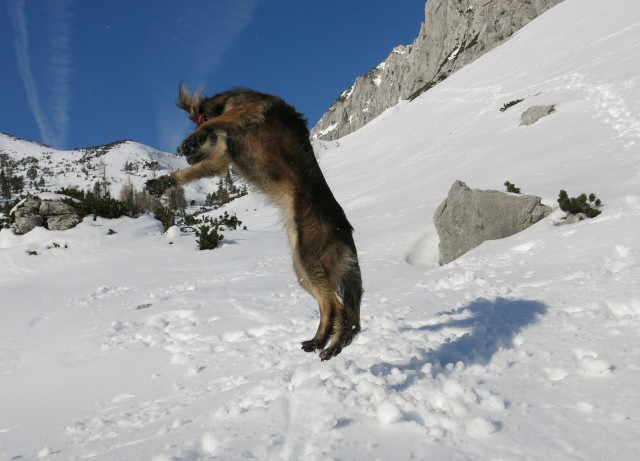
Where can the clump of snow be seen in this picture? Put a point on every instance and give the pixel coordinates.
(388, 413)
(454, 54)
(346, 94)
(480, 427)
(328, 129)
(45, 452)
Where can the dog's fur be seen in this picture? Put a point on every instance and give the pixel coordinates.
(267, 142)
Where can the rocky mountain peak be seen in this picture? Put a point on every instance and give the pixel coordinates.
(453, 34)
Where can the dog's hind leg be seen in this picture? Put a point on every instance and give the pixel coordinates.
(324, 328)
(324, 331)
(337, 331)
(346, 293)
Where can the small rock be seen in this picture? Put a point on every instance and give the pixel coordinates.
(535, 113)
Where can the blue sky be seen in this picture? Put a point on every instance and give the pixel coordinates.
(78, 73)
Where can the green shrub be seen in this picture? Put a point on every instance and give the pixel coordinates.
(92, 203)
(208, 229)
(510, 104)
(512, 187)
(166, 216)
(228, 221)
(6, 218)
(208, 237)
(581, 204)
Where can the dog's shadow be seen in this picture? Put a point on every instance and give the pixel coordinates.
(493, 326)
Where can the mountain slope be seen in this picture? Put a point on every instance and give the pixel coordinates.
(119, 163)
(126, 347)
(453, 34)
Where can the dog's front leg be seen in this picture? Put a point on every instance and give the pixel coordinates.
(215, 163)
(158, 186)
(198, 145)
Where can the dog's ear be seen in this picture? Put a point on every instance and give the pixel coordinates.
(188, 101)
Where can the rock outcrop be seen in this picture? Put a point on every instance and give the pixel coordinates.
(535, 113)
(454, 33)
(468, 217)
(51, 214)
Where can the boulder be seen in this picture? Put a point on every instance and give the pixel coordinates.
(51, 214)
(468, 217)
(27, 215)
(535, 113)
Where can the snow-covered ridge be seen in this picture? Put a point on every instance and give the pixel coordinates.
(120, 162)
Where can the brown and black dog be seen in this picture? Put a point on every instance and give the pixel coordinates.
(267, 142)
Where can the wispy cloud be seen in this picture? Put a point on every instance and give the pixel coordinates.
(197, 43)
(51, 113)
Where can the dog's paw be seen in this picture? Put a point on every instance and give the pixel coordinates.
(312, 345)
(158, 186)
(330, 352)
(309, 346)
(190, 146)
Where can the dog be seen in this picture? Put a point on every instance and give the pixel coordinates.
(267, 142)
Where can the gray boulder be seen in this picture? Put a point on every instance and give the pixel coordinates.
(468, 217)
(27, 215)
(50, 214)
(535, 113)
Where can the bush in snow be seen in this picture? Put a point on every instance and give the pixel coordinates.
(208, 237)
(208, 229)
(6, 217)
(580, 205)
(510, 104)
(166, 216)
(98, 204)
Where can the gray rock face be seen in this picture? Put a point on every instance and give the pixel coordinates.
(467, 217)
(535, 113)
(51, 214)
(454, 33)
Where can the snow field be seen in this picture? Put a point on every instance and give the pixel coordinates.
(137, 346)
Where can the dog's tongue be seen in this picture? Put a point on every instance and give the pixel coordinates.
(200, 119)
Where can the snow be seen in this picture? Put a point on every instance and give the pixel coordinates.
(82, 167)
(327, 130)
(454, 54)
(346, 94)
(137, 346)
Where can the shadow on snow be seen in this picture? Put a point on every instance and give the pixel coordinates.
(493, 326)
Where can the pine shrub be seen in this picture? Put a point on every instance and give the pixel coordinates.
(208, 236)
(208, 229)
(92, 203)
(580, 204)
(512, 187)
(166, 216)
(506, 105)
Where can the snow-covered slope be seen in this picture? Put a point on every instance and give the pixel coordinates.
(127, 347)
(120, 163)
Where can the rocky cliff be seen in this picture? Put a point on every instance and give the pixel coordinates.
(454, 33)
